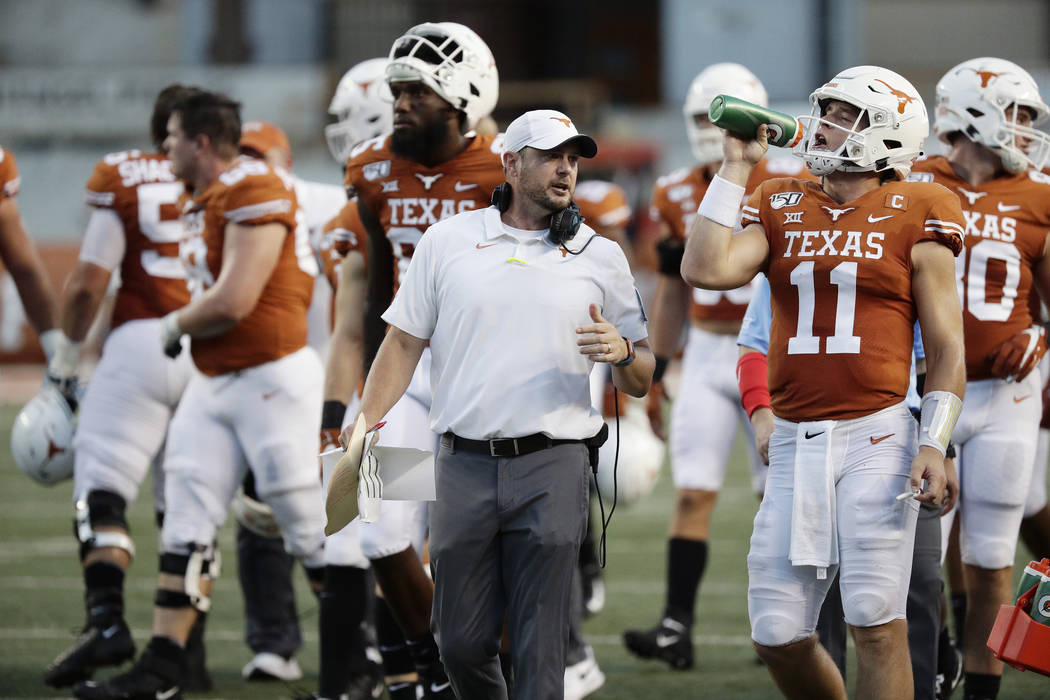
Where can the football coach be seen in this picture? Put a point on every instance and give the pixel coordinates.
(518, 301)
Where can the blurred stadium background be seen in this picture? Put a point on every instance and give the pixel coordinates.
(77, 80)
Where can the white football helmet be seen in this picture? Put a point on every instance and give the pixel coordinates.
(979, 98)
(42, 437)
(719, 79)
(641, 456)
(897, 123)
(254, 515)
(362, 106)
(451, 60)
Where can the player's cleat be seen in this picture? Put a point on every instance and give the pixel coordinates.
(435, 683)
(583, 678)
(267, 666)
(97, 645)
(669, 642)
(949, 672)
(367, 685)
(593, 590)
(155, 676)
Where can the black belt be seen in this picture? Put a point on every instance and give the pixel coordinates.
(503, 447)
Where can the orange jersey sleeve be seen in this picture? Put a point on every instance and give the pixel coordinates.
(251, 193)
(676, 198)
(343, 234)
(840, 280)
(142, 191)
(407, 197)
(1006, 225)
(9, 179)
(602, 204)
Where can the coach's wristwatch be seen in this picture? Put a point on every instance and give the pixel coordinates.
(630, 354)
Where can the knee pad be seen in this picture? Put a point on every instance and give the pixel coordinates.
(867, 608)
(102, 509)
(775, 630)
(201, 562)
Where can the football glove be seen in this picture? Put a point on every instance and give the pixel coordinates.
(1020, 354)
(62, 367)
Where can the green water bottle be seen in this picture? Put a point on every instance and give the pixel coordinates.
(1040, 611)
(743, 118)
(1032, 576)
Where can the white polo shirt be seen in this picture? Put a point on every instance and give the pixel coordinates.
(500, 307)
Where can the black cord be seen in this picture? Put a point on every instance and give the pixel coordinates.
(602, 558)
(577, 252)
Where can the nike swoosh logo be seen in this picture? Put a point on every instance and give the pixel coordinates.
(876, 441)
(666, 640)
(1019, 399)
(110, 631)
(876, 219)
(460, 187)
(479, 246)
(439, 687)
(1008, 207)
(167, 694)
(808, 436)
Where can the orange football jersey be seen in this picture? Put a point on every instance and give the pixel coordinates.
(1006, 223)
(9, 179)
(677, 196)
(342, 234)
(408, 197)
(250, 193)
(840, 280)
(142, 191)
(602, 204)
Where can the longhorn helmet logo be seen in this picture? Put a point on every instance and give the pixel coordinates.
(903, 98)
(985, 75)
(566, 122)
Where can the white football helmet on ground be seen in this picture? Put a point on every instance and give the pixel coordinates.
(641, 456)
(42, 437)
(362, 106)
(451, 60)
(979, 98)
(730, 79)
(897, 124)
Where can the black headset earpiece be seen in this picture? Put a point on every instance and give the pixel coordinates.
(501, 197)
(565, 224)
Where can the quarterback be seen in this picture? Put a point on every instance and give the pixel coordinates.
(851, 262)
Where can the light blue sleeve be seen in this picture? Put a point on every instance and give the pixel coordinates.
(754, 331)
(916, 344)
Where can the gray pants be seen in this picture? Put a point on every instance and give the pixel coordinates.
(505, 535)
(924, 608)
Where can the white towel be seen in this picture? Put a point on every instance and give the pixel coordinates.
(370, 485)
(814, 531)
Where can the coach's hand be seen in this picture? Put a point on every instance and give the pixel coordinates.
(600, 341)
(929, 465)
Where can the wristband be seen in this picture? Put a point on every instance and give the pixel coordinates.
(332, 415)
(669, 254)
(630, 354)
(752, 379)
(661, 367)
(938, 414)
(721, 203)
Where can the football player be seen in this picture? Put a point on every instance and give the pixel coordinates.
(707, 412)
(987, 109)
(252, 401)
(264, 567)
(133, 232)
(22, 261)
(851, 262)
(443, 80)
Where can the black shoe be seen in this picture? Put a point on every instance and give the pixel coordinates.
(198, 680)
(949, 672)
(155, 676)
(669, 641)
(95, 646)
(436, 685)
(367, 685)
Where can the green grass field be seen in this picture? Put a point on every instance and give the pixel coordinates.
(41, 598)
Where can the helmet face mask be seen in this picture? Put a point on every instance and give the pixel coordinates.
(730, 79)
(887, 134)
(362, 106)
(451, 60)
(982, 99)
